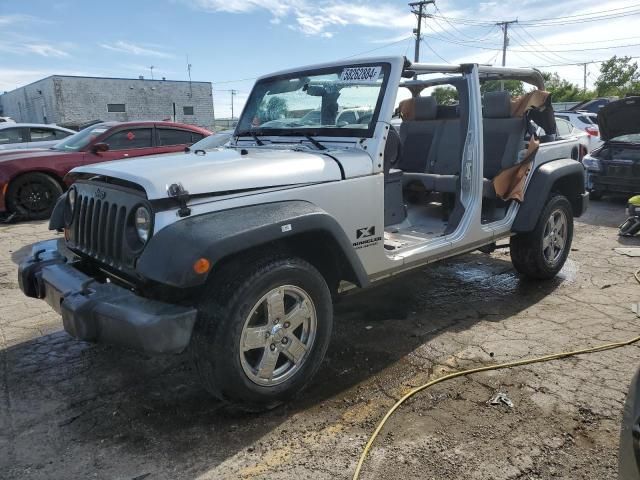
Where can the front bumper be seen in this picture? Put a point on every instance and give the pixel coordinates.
(605, 183)
(103, 312)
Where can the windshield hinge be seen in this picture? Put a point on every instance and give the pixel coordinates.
(177, 191)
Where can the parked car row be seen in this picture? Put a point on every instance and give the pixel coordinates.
(31, 179)
(31, 135)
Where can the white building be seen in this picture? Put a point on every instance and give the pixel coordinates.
(73, 101)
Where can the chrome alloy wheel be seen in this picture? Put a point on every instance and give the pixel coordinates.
(554, 237)
(278, 335)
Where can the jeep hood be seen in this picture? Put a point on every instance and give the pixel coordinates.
(621, 117)
(222, 170)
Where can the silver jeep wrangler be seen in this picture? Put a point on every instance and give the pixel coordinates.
(235, 253)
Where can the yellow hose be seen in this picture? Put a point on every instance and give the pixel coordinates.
(546, 358)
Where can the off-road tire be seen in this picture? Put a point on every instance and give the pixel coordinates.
(225, 305)
(526, 249)
(45, 186)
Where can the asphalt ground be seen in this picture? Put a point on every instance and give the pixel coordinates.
(70, 409)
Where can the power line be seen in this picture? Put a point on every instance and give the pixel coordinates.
(557, 21)
(485, 37)
(435, 53)
(529, 51)
(541, 55)
(233, 81)
(524, 30)
(377, 48)
(585, 14)
(581, 63)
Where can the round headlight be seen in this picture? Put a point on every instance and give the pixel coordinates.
(143, 223)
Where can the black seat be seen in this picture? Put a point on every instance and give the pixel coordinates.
(503, 137)
(417, 133)
(442, 168)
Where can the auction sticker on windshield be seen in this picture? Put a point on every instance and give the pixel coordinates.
(360, 75)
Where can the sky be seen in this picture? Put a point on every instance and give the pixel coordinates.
(230, 42)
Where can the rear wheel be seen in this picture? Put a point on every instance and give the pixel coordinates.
(262, 332)
(541, 253)
(33, 195)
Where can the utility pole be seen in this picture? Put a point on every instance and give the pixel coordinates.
(417, 8)
(233, 94)
(584, 74)
(505, 38)
(505, 43)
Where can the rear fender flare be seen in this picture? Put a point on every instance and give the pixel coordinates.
(564, 176)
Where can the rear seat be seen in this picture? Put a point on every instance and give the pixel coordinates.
(503, 137)
(417, 132)
(433, 157)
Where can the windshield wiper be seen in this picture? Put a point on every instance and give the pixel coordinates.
(257, 139)
(315, 142)
(253, 135)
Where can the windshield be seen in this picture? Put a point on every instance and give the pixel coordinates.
(81, 139)
(212, 141)
(338, 101)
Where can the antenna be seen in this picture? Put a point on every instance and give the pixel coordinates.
(151, 67)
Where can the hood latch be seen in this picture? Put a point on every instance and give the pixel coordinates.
(177, 192)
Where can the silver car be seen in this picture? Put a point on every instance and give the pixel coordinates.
(30, 135)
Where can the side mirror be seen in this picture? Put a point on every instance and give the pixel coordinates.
(99, 147)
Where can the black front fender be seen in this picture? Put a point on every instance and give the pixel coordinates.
(171, 253)
(565, 176)
(56, 221)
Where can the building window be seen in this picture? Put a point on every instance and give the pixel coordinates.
(115, 107)
(187, 110)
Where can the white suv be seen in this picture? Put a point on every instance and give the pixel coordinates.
(585, 121)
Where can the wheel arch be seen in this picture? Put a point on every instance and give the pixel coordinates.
(565, 176)
(298, 227)
(51, 173)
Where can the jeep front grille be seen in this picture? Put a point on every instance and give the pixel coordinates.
(100, 226)
(99, 229)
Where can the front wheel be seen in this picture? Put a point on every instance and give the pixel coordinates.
(541, 253)
(262, 332)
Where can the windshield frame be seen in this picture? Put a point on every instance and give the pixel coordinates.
(314, 130)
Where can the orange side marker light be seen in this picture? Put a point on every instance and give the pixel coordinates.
(201, 266)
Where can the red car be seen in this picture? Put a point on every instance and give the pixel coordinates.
(31, 180)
